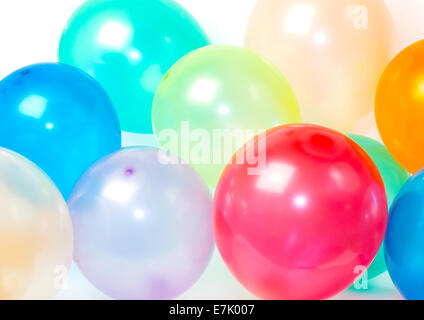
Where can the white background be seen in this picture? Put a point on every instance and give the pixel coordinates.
(30, 31)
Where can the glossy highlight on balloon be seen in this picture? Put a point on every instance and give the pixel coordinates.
(214, 100)
(394, 177)
(305, 224)
(142, 225)
(128, 46)
(404, 242)
(58, 117)
(399, 107)
(332, 52)
(35, 232)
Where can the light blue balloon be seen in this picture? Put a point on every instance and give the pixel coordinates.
(404, 244)
(128, 46)
(59, 118)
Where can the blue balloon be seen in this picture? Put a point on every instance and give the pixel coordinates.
(405, 239)
(58, 117)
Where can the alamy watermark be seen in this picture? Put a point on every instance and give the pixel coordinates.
(361, 281)
(360, 19)
(214, 147)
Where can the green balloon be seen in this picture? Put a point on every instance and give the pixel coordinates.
(394, 177)
(214, 100)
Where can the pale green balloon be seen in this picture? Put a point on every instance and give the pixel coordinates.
(394, 177)
(212, 90)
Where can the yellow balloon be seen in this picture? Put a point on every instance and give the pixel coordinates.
(214, 100)
(35, 231)
(331, 51)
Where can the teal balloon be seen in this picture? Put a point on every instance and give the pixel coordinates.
(394, 177)
(128, 46)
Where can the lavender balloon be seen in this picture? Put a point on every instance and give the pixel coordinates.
(143, 227)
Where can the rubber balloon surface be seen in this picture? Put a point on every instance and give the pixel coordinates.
(143, 225)
(405, 239)
(332, 52)
(59, 118)
(394, 177)
(35, 231)
(214, 100)
(399, 107)
(128, 46)
(305, 224)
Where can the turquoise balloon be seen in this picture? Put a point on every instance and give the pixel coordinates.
(394, 177)
(128, 46)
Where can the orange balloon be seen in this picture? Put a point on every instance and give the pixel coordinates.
(399, 107)
(333, 53)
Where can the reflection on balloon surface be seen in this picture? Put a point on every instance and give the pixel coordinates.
(59, 118)
(142, 224)
(299, 227)
(35, 231)
(215, 99)
(332, 52)
(128, 46)
(404, 243)
(394, 177)
(399, 107)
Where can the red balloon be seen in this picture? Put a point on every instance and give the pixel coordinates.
(307, 223)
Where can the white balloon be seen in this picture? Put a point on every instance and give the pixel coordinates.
(35, 231)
